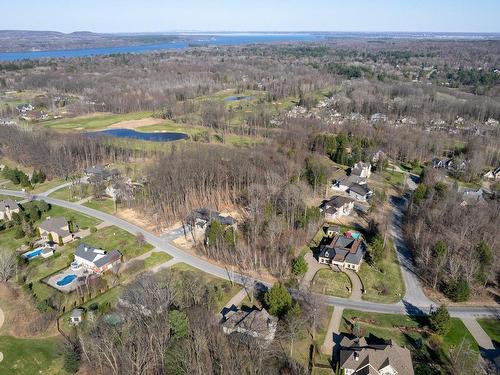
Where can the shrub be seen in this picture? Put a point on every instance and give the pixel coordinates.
(457, 290)
(299, 266)
(440, 320)
(93, 229)
(278, 300)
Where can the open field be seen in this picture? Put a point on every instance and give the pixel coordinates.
(156, 258)
(94, 122)
(31, 356)
(104, 205)
(331, 283)
(383, 282)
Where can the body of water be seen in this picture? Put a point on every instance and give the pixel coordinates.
(129, 133)
(201, 40)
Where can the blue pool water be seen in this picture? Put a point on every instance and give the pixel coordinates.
(129, 133)
(237, 98)
(66, 280)
(32, 254)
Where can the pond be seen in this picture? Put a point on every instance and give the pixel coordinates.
(237, 98)
(129, 133)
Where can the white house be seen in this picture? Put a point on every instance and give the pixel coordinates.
(7, 208)
(361, 169)
(76, 317)
(359, 192)
(493, 174)
(95, 260)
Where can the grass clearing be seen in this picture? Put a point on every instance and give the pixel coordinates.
(156, 258)
(112, 238)
(407, 331)
(104, 205)
(394, 178)
(31, 356)
(384, 283)
(95, 122)
(331, 283)
(83, 221)
(492, 327)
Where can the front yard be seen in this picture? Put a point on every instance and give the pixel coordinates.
(383, 282)
(112, 238)
(331, 283)
(426, 347)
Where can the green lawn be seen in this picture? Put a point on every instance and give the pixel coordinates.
(492, 328)
(404, 329)
(37, 188)
(156, 258)
(7, 240)
(94, 122)
(170, 126)
(30, 356)
(104, 205)
(83, 221)
(112, 238)
(72, 194)
(331, 283)
(384, 282)
(394, 178)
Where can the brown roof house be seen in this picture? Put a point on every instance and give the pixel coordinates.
(336, 208)
(57, 228)
(343, 251)
(7, 208)
(254, 322)
(358, 357)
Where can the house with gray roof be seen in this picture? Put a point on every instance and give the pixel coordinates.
(359, 192)
(55, 229)
(342, 251)
(336, 207)
(202, 217)
(7, 208)
(358, 357)
(361, 169)
(95, 260)
(257, 323)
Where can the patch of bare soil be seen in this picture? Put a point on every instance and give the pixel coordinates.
(137, 218)
(22, 319)
(133, 124)
(188, 246)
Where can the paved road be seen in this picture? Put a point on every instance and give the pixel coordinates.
(482, 338)
(333, 331)
(163, 243)
(414, 294)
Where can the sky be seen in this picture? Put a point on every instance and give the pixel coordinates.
(252, 15)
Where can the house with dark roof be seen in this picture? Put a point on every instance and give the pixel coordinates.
(202, 217)
(99, 173)
(55, 229)
(345, 182)
(95, 260)
(442, 163)
(343, 251)
(359, 192)
(253, 322)
(358, 357)
(336, 207)
(7, 208)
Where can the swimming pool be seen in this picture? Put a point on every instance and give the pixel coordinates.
(66, 280)
(33, 253)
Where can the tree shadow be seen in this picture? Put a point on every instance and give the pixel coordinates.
(416, 314)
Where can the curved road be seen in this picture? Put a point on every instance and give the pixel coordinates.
(414, 302)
